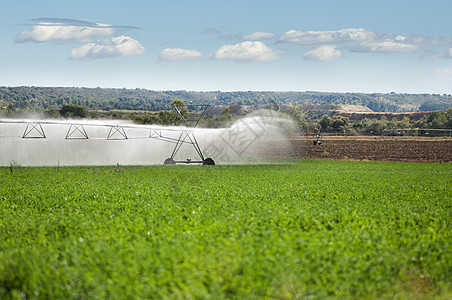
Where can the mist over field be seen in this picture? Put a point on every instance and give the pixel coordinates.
(245, 141)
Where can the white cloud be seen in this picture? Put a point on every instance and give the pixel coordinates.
(361, 40)
(178, 54)
(108, 48)
(60, 32)
(247, 52)
(326, 37)
(259, 35)
(388, 46)
(323, 53)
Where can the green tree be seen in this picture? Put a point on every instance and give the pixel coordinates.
(432, 106)
(339, 122)
(166, 118)
(449, 118)
(72, 110)
(51, 113)
(226, 111)
(325, 122)
(181, 107)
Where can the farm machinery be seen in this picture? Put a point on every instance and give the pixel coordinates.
(77, 130)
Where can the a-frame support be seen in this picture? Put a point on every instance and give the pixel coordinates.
(119, 130)
(34, 128)
(76, 128)
(188, 136)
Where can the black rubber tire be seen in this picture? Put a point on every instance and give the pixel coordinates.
(208, 162)
(169, 161)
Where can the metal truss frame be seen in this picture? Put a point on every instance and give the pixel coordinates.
(34, 127)
(185, 135)
(76, 128)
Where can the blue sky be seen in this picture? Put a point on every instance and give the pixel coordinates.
(323, 45)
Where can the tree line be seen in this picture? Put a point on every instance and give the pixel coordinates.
(106, 99)
(306, 116)
(372, 126)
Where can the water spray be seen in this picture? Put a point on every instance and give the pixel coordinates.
(95, 142)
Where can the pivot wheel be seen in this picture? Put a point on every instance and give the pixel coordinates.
(208, 162)
(169, 161)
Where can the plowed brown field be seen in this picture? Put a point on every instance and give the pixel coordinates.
(367, 148)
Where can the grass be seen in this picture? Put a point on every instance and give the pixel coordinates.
(313, 229)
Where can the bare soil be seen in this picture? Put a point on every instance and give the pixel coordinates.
(365, 148)
(369, 148)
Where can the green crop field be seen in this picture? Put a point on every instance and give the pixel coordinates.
(309, 230)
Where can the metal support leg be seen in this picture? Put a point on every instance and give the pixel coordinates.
(34, 127)
(117, 129)
(76, 128)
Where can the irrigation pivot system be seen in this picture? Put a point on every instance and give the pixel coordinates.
(179, 136)
(188, 136)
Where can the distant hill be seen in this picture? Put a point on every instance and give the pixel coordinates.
(149, 100)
